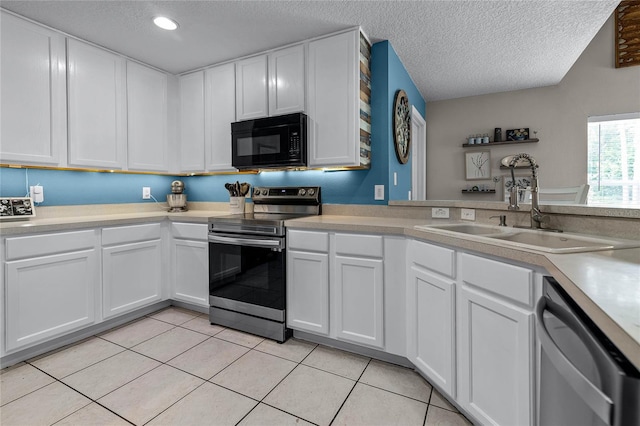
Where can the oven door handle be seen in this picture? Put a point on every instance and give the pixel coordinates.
(253, 242)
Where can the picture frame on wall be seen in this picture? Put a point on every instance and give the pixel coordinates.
(477, 165)
(523, 184)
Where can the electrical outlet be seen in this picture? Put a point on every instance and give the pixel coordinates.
(146, 192)
(440, 212)
(468, 214)
(36, 193)
(379, 192)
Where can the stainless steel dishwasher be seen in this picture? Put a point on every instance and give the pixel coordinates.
(584, 380)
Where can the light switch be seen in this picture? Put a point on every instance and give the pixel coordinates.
(379, 192)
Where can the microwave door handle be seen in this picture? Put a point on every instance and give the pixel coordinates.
(241, 241)
(591, 394)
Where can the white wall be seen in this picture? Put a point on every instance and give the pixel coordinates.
(558, 113)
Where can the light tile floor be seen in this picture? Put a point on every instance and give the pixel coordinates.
(174, 368)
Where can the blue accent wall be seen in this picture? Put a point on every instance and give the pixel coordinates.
(397, 78)
(338, 187)
(63, 187)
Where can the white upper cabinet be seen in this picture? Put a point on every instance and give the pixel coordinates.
(272, 84)
(333, 104)
(192, 122)
(286, 81)
(147, 118)
(220, 112)
(251, 88)
(33, 94)
(97, 107)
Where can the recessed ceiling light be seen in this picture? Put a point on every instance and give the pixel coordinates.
(165, 23)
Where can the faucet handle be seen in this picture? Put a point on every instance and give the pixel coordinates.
(503, 219)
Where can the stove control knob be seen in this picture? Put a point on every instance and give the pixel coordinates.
(302, 191)
(256, 192)
(311, 192)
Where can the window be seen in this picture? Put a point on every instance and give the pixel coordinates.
(613, 168)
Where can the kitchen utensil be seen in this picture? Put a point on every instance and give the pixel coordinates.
(244, 188)
(231, 188)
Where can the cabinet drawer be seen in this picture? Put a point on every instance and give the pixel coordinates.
(359, 245)
(509, 281)
(42, 245)
(308, 240)
(131, 234)
(190, 231)
(434, 258)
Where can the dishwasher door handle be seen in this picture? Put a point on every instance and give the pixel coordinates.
(591, 394)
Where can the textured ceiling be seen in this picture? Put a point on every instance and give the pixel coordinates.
(451, 49)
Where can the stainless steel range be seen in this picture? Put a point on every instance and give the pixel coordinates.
(247, 261)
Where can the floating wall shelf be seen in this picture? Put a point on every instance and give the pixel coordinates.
(484, 145)
(489, 191)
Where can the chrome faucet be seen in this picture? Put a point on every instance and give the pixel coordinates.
(537, 218)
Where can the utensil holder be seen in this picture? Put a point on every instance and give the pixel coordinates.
(236, 205)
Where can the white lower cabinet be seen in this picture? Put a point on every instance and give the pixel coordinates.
(50, 286)
(190, 263)
(431, 294)
(431, 326)
(358, 289)
(495, 342)
(308, 281)
(131, 268)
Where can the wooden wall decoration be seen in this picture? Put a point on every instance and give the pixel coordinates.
(627, 33)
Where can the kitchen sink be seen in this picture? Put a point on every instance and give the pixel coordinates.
(553, 240)
(546, 241)
(468, 228)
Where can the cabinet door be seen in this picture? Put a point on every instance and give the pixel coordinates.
(190, 270)
(495, 359)
(33, 124)
(131, 276)
(97, 107)
(192, 122)
(332, 101)
(308, 291)
(49, 296)
(430, 327)
(286, 81)
(358, 300)
(251, 88)
(220, 109)
(148, 147)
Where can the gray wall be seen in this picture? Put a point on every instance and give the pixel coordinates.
(558, 113)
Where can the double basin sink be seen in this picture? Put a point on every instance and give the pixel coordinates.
(546, 241)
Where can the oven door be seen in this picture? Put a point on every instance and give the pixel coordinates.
(247, 274)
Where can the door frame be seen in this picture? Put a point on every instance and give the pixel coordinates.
(418, 155)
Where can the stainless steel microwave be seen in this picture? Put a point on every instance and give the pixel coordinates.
(270, 142)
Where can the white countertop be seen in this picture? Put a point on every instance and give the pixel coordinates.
(605, 284)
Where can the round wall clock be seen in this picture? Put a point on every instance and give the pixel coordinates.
(402, 126)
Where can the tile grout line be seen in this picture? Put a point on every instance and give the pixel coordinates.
(350, 392)
(76, 390)
(282, 380)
